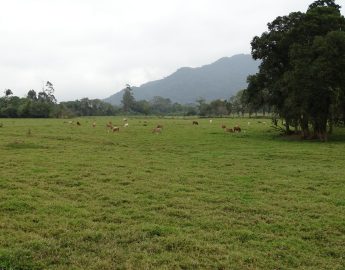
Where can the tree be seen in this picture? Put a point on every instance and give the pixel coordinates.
(128, 101)
(238, 104)
(160, 105)
(49, 90)
(203, 107)
(143, 107)
(32, 95)
(324, 3)
(256, 96)
(218, 107)
(8, 92)
(301, 71)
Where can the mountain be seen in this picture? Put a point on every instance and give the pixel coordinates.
(218, 80)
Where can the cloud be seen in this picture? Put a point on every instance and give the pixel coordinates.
(90, 48)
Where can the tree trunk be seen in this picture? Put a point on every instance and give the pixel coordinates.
(296, 128)
(287, 127)
(305, 127)
(330, 129)
(320, 130)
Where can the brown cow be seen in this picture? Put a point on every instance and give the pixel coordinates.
(195, 123)
(237, 128)
(229, 130)
(109, 125)
(223, 126)
(78, 123)
(157, 130)
(114, 129)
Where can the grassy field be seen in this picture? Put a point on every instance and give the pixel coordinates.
(193, 197)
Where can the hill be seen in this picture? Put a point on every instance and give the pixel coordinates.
(220, 79)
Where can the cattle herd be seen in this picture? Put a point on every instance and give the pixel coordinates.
(158, 129)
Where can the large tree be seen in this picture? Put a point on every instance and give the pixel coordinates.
(302, 68)
(128, 101)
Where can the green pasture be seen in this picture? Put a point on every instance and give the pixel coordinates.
(192, 197)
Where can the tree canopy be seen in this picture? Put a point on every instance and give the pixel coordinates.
(302, 70)
(128, 100)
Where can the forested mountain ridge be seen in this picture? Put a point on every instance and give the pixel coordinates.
(218, 80)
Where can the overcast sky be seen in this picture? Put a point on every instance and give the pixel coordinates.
(92, 48)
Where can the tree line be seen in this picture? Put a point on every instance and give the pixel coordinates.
(301, 77)
(236, 105)
(35, 104)
(43, 104)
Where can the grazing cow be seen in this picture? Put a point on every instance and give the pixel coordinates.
(78, 123)
(223, 126)
(109, 125)
(125, 125)
(229, 130)
(115, 129)
(237, 128)
(94, 124)
(195, 123)
(124, 119)
(157, 130)
(159, 126)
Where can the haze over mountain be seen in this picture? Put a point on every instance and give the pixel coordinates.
(219, 80)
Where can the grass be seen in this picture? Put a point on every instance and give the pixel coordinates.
(193, 197)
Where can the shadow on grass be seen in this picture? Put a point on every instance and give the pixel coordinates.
(24, 145)
(334, 138)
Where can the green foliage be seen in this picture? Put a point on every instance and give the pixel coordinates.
(216, 107)
(128, 101)
(39, 105)
(8, 92)
(43, 105)
(87, 107)
(32, 95)
(301, 73)
(160, 105)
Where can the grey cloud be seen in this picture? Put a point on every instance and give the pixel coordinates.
(93, 48)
